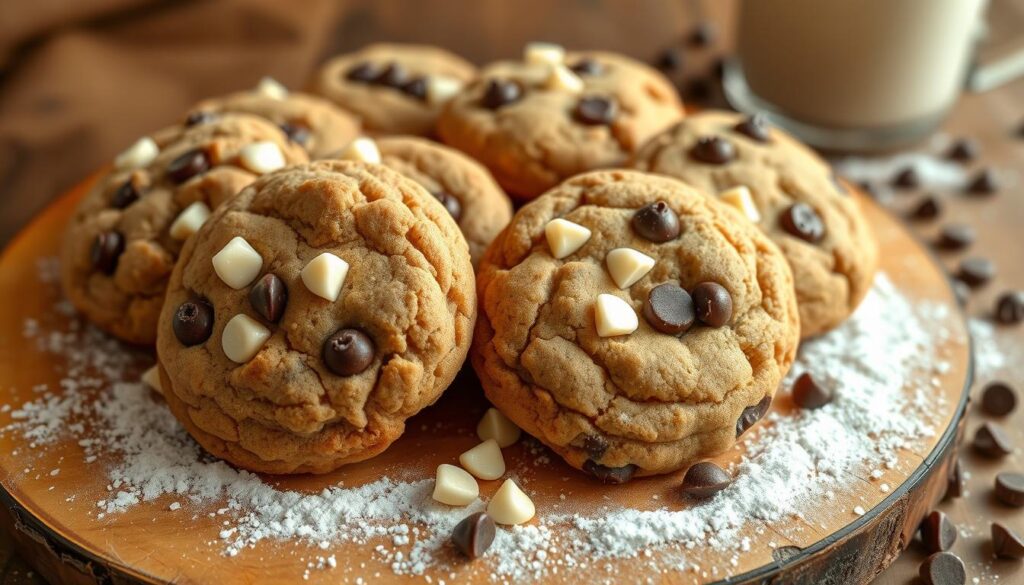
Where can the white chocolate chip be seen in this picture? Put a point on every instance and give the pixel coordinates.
(189, 220)
(510, 505)
(561, 78)
(272, 88)
(565, 237)
(627, 266)
(261, 157)
(237, 263)
(614, 316)
(484, 460)
(441, 88)
(739, 197)
(454, 486)
(546, 53)
(325, 275)
(243, 336)
(361, 149)
(497, 426)
(151, 378)
(137, 155)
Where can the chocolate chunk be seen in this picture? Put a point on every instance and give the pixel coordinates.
(670, 60)
(416, 87)
(963, 150)
(802, 221)
(713, 150)
(698, 89)
(364, 72)
(955, 481)
(297, 133)
(669, 309)
(595, 446)
(501, 93)
(106, 251)
(587, 66)
(1010, 489)
(808, 394)
(269, 297)
(450, 202)
(596, 110)
(656, 222)
(976, 271)
(961, 291)
(992, 441)
(474, 535)
(984, 182)
(393, 75)
(188, 165)
(702, 35)
(1006, 543)
(712, 304)
(348, 352)
(927, 207)
(1010, 307)
(752, 414)
(704, 479)
(125, 195)
(718, 67)
(193, 322)
(955, 236)
(938, 533)
(943, 568)
(907, 178)
(609, 475)
(755, 128)
(998, 399)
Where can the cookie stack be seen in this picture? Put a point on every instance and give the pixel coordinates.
(314, 269)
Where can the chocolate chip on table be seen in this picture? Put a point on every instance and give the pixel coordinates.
(188, 165)
(808, 394)
(106, 250)
(704, 479)
(1006, 543)
(670, 60)
(963, 150)
(976, 271)
(752, 414)
(656, 222)
(983, 183)
(364, 72)
(718, 67)
(297, 133)
(269, 297)
(1010, 307)
(907, 178)
(712, 304)
(992, 441)
(1010, 489)
(474, 535)
(193, 322)
(955, 481)
(125, 195)
(955, 236)
(927, 207)
(393, 75)
(199, 117)
(501, 92)
(596, 110)
(610, 475)
(938, 533)
(702, 35)
(943, 568)
(595, 446)
(756, 128)
(713, 150)
(669, 309)
(587, 66)
(802, 221)
(450, 202)
(416, 87)
(998, 399)
(348, 352)
(698, 89)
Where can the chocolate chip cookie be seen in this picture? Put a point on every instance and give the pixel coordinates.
(393, 88)
(313, 314)
(126, 233)
(633, 324)
(792, 195)
(552, 115)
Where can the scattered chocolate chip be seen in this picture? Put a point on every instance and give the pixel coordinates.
(938, 533)
(927, 207)
(669, 309)
(450, 202)
(702, 35)
(705, 479)
(718, 67)
(199, 117)
(474, 535)
(269, 297)
(752, 414)
(596, 110)
(943, 568)
(501, 93)
(998, 399)
(963, 150)
(416, 87)
(297, 133)
(610, 475)
(587, 66)
(955, 236)
(955, 481)
(992, 441)
(961, 291)
(1010, 489)
(1006, 543)
(364, 72)
(106, 250)
(713, 150)
(976, 271)
(802, 221)
(698, 89)
(125, 195)
(1010, 307)
(712, 304)
(595, 446)
(193, 322)
(348, 352)
(393, 75)
(656, 222)
(983, 183)
(808, 394)
(188, 165)
(754, 127)
(907, 178)
(670, 60)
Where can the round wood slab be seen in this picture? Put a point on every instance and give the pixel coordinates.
(55, 520)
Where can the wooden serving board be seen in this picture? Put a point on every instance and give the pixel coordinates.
(54, 519)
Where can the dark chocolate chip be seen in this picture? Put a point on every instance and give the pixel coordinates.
(713, 150)
(955, 481)
(393, 75)
(943, 568)
(596, 110)
(450, 202)
(802, 221)
(755, 128)
(416, 87)
(269, 297)
(656, 222)
(712, 304)
(704, 479)
(587, 66)
(595, 446)
(610, 475)
(963, 150)
(500, 93)
(938, 533)
(474, 535)
(698, 89)
(669, 309)
(348, 352)
(1010, 307)
(670, 60)
(702, 35)
(718, 67)
(193, 322)
(1006, 543)
(106, 250)
(928, 207)
(199, 117)
(907, 178)
(188, 165)
(297, 133)
(1010, 489)
(961, 291)
(752, 414)
(808, 394)
(976, 271)
(364, 72)
(125, 195)
(998, 399)
(984, 182)
(992, 441)
(955, 236)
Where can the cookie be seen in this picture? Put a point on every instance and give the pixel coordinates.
(632, 324)
(393, 88)
(125, 235)
(792, 195)
(312, 315)
(538, 121)
(313, 122)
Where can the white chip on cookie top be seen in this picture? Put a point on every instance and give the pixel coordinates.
(237, 263)
(243, 337)
(510, 505)
(613, 316)
(272, 88)
(361, 149)
(544, 53)
(739, 197)
(189, 220)
(262, 157)
(565, 237)
(497, 426)
(441, 88)
(484, 460)
(627, 266)
(325, 275)
(561, 78)
(137, 155)
(454, 486)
